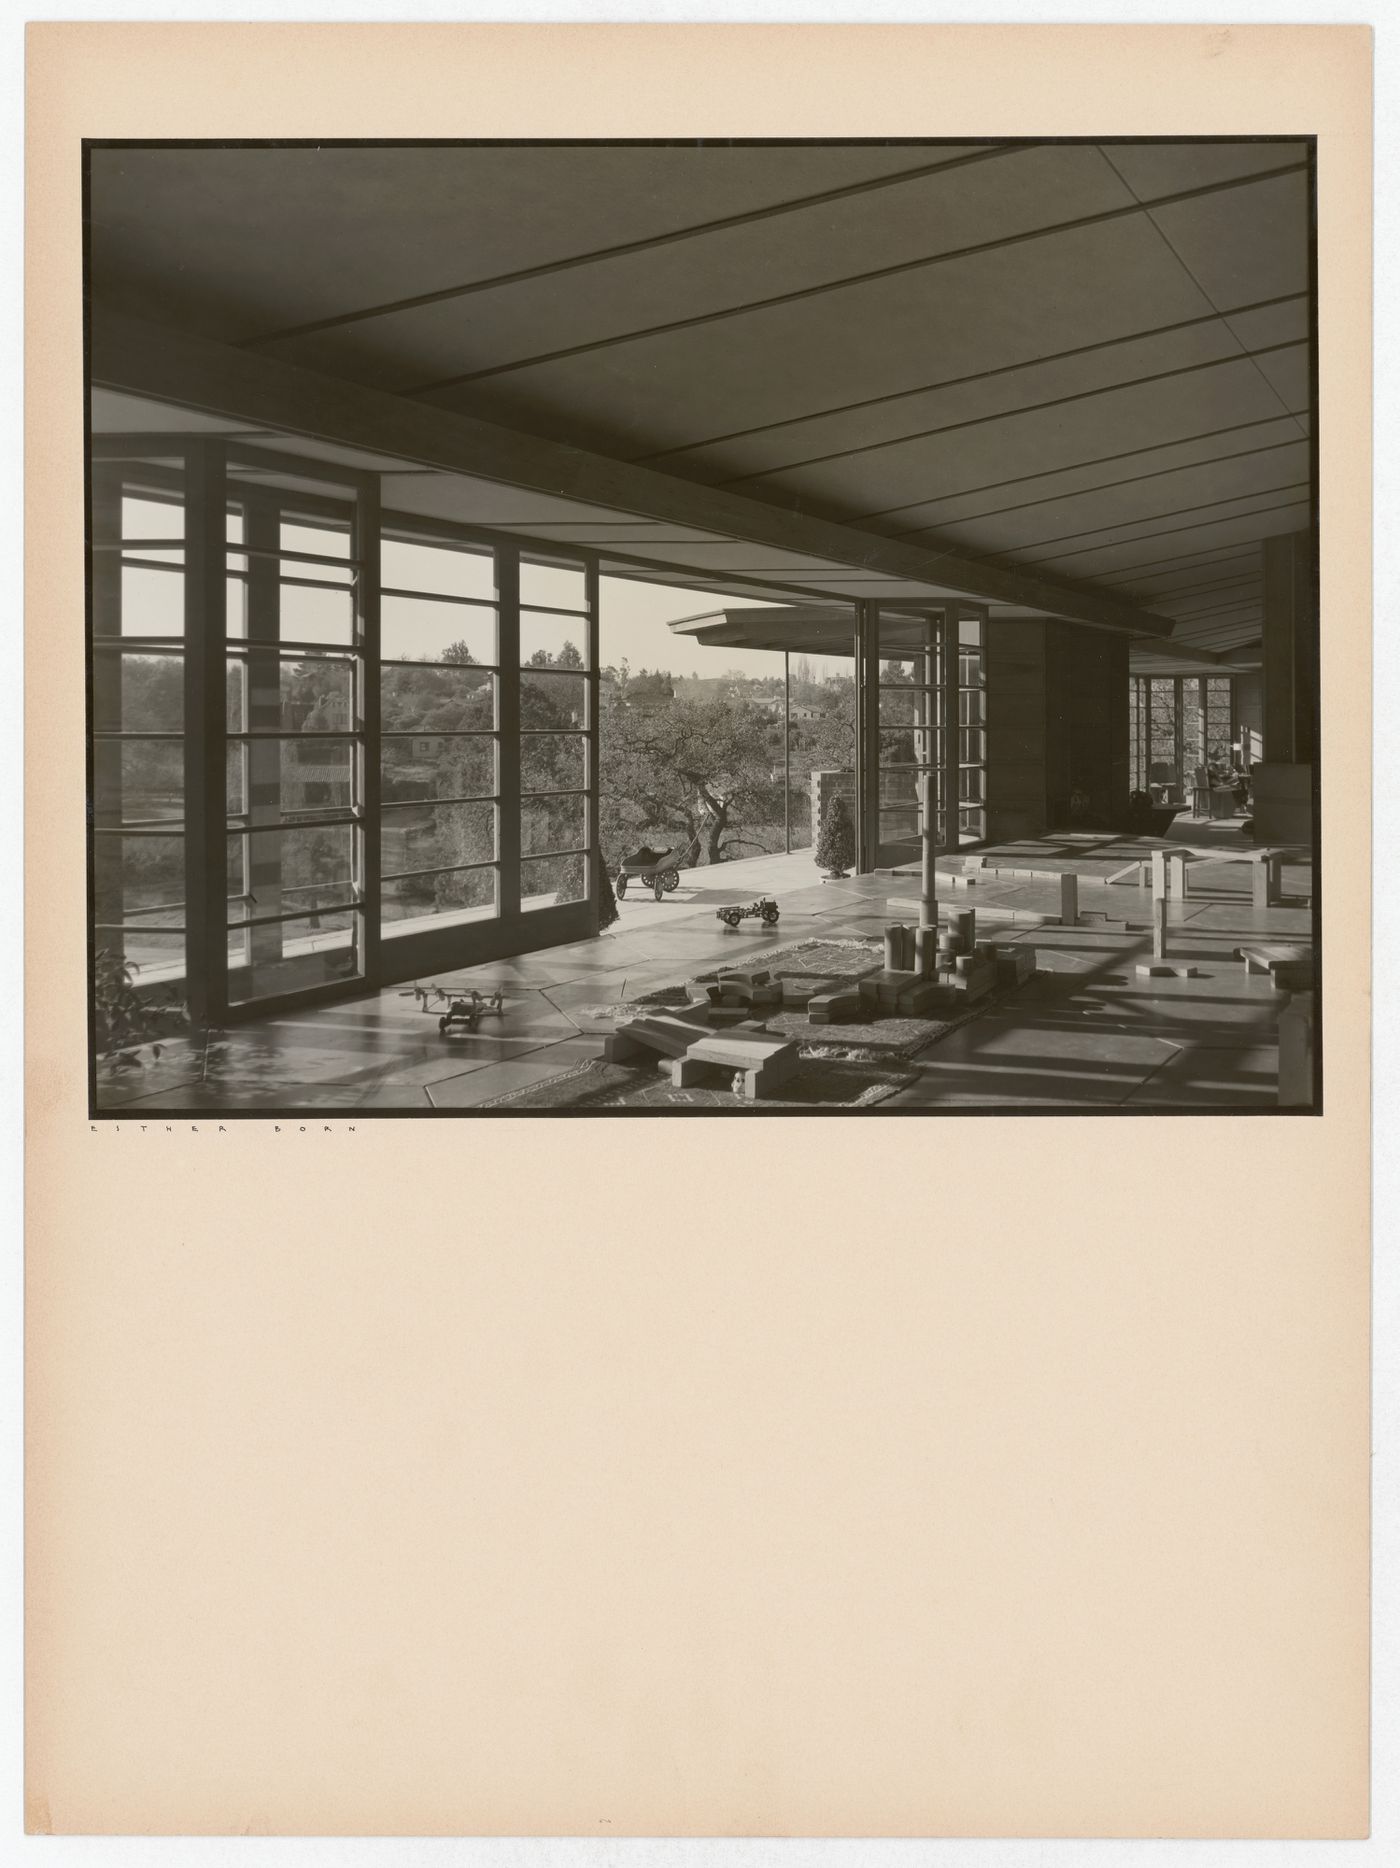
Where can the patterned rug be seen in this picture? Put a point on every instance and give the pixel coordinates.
(843, 1066)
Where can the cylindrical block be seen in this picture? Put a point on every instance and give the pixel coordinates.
(965, 926)
(925, 951)
(894, 948)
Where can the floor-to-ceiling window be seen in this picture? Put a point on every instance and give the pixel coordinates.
(138, 715)
(295, 734)
(1181, 730)
(329, 747)
(558, 731)
(972, 730)
(911, 736)
(439, 755)
(927, 729)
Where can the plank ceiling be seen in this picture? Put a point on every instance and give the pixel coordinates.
(1087, 360)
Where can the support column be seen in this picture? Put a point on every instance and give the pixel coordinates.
(867, 759)
(787, 753)
(1283, 780)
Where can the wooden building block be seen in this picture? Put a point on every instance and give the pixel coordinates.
(798, 994)
(669, 1035)
(769, 1076)
(1069, 900)
(922, 998)
(620, 1049)
(830, 1008)
(686, 1071)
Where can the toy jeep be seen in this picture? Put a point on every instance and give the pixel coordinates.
(765, 908)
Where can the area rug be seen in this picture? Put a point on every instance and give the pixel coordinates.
(843, 1066)
(824, 965)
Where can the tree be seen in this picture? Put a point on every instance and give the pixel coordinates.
(690, 772)
(836, 841)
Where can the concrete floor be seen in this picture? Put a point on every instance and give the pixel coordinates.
(1087, 1032)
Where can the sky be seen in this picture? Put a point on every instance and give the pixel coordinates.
(632, 626)
(632, 621)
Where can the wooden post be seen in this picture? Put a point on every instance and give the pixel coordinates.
(1259, 877)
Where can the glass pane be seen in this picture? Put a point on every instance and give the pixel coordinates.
(433, 767)
(551, 700)
(551, 881)
(552, 641)
(913, 670)
(306, 615)
(236, 779)
(972, 745)
(137, 781)
(154, 953)
(436, 836)
(899, 826)
(324, 541)
(414, 903)
(908, 748)
(970, 631)
(291, 869)
(138, 693)
(899, 789)
(292, 956)
(236, 606)
(551, 586)
(552, 824)
(907, 706)
(415, 629)
(131, 874)
(432, 698)
(291, 777)
(440, 569)
(300, 694)
(970, 784)
(144, 517)
(972, 706)
(553, 762)
(153, 602)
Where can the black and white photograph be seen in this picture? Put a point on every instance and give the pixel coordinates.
(703, 627)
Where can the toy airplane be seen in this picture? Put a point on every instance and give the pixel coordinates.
(465, 1010)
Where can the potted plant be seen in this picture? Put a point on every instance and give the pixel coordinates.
(836, 840)
(127, 1021)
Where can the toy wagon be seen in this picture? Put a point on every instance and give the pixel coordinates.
(658, 870)
(765, 908)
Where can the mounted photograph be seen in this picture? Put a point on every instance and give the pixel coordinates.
(608, 628)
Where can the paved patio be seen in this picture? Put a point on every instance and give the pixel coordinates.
(1087, 1032)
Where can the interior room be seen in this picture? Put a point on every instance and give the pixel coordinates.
(703, 629)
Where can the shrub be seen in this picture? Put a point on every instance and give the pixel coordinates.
(836, 840)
